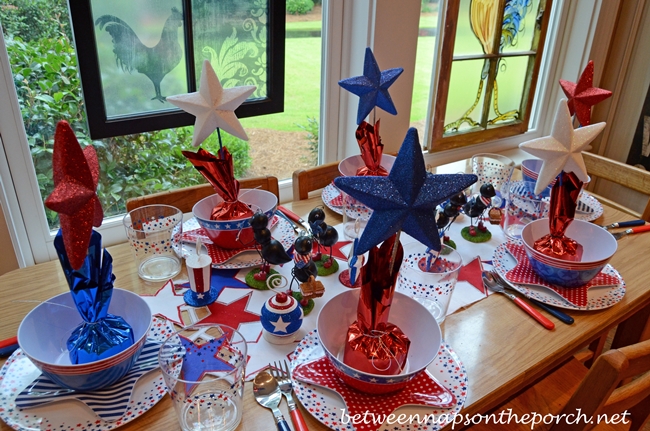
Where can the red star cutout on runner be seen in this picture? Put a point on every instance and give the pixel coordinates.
(336, 250)
(583, 95)
(75, 175)
(233, 314)
(473, 274)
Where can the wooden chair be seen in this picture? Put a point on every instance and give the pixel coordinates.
(620, 173)
(618, 381)
(185, 198)
(308, 180)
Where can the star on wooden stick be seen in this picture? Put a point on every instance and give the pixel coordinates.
(583, 95)
(75, 173)
(372, 87)
(213, 106)
(404, 200)
(562, 150)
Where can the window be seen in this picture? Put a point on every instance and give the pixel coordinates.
(134, 53)
(348, 27)
(488, 70)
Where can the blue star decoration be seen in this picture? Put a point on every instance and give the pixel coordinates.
(200, 359)
(406, 199)
(372, 87)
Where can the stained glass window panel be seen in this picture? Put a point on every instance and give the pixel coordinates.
(140, 46)
(470, 39)
(518, 26)
(507, 92)
(466, 93)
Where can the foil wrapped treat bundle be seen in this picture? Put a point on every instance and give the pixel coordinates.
(373, 344)
(564, 200)
(371, 150)
(220, 173)
(101, 334)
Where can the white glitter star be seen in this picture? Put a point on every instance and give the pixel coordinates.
(561, 151)
(213, 106)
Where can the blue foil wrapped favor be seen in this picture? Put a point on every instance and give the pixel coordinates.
(101, 334)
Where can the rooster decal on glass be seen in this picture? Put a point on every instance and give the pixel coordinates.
(131, 54)
(485, 21)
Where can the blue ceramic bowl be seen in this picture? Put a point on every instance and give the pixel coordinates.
(598, 248)
(43, 333)
(409, 315)
(237, 233)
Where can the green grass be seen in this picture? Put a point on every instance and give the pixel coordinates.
(301, 88)
(302, 80)
(306, 25)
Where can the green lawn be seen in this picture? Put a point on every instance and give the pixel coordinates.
(302, 80)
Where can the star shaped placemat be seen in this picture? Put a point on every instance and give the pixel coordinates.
(523, 273)
(422, 390)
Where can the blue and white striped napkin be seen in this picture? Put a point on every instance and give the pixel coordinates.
(108, 403)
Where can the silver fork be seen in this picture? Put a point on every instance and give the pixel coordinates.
(282, 374)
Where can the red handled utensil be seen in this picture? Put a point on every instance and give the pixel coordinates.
(491, 284)
(293, 216)
(639, 229)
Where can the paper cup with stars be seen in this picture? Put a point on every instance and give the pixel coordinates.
(281, 318)
(204, 367)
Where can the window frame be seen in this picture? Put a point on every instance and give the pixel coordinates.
(100, 126)
(439, 140)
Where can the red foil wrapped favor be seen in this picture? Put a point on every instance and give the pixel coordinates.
(371, 150)
(373, 345)
(564, 200)
(219, 172)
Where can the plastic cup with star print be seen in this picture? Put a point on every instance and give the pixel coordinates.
(493, 169)
(204, 367)
(155, 232)
(523, 206)
(431, 287)
(355, 217)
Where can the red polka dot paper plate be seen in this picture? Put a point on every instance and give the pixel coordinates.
(330, 409)
(592, 298)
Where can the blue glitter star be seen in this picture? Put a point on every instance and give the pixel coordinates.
(406, 199)
(372, 87)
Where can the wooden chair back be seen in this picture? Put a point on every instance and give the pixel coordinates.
(623, 174)
(308, 180)
(185, 198)
(601, 391)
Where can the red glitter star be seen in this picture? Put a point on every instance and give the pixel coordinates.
(75, 174)
(583, 95)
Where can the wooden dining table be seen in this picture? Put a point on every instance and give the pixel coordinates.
(502, 349)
